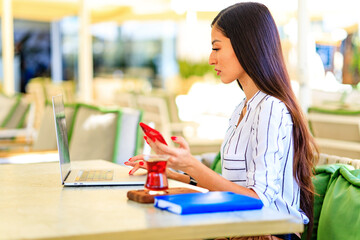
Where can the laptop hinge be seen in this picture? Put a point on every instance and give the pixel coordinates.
(67, 175)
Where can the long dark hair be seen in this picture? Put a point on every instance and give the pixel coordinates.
(256, 43)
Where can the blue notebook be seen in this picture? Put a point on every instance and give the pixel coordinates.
(190, 203)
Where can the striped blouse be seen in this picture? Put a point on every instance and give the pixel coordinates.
(258, 153)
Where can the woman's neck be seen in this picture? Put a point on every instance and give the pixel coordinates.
(249, 87)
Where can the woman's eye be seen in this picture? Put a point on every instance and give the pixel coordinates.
(215, 49)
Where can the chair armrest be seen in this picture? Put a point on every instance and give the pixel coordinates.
(21, 157)
(21, 132)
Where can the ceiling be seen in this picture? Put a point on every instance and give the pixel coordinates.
(342, 12)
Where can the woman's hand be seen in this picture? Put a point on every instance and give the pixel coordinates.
(136, 162)
(179, 158)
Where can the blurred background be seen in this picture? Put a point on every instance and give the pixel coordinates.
(152, 55)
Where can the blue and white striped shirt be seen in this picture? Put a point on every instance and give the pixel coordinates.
(258, 154)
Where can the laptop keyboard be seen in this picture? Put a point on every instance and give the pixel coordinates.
(95, 175)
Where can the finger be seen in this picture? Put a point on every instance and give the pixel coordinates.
(154, 143)
(139, 159)
(181, 141)
(134, 169)
(136, 158)
(131, 164)
(141, 164)
(151, 143)
(137, 166)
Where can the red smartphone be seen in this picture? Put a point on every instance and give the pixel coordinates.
(152, 133)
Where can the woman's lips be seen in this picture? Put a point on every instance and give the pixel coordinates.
(217, 72)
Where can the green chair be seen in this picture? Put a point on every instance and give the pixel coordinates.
(321, 180)
(46, 137)
(130, 137)
(333, 159)
(216, 164)
(7, 107)
(18, 117)
(94, 133)
(16, 121)
(110, 134)
(339, 217)
(160, 109)
(14, 111)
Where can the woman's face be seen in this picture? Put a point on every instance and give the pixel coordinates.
(223, 58)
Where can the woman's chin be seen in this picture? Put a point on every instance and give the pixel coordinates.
(226, 80)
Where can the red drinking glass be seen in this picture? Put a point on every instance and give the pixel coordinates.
(156, 180)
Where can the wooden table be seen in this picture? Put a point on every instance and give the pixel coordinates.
(34, 205)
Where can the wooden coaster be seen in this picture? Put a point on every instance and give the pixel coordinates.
(143, 196)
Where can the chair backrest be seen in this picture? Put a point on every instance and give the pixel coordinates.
(66, 88)
(129, 140)
(156, 111)
(41, 90)
(105, 90)
(7, 106)
(125, 99)
(326, 159)
(36, 91)
(17, 115)
(94, 133)
(327, 166)
(46, 137)
(339, 218)
(321, 181)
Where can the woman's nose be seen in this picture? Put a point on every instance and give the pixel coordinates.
(212, 59)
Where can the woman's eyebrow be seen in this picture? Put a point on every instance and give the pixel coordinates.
(212, 43)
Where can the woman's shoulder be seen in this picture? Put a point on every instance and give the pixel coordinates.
(275, 104)
(274, 107)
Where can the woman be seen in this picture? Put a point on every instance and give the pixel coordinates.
(267, 152)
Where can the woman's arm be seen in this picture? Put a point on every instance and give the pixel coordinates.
(211, 180)
(181, 159)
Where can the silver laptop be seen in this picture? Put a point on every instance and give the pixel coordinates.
(85, 177)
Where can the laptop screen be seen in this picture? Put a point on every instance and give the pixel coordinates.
(61, 135)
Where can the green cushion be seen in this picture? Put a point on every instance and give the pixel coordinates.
(321, 180)
(340, 218)
(216, 164)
